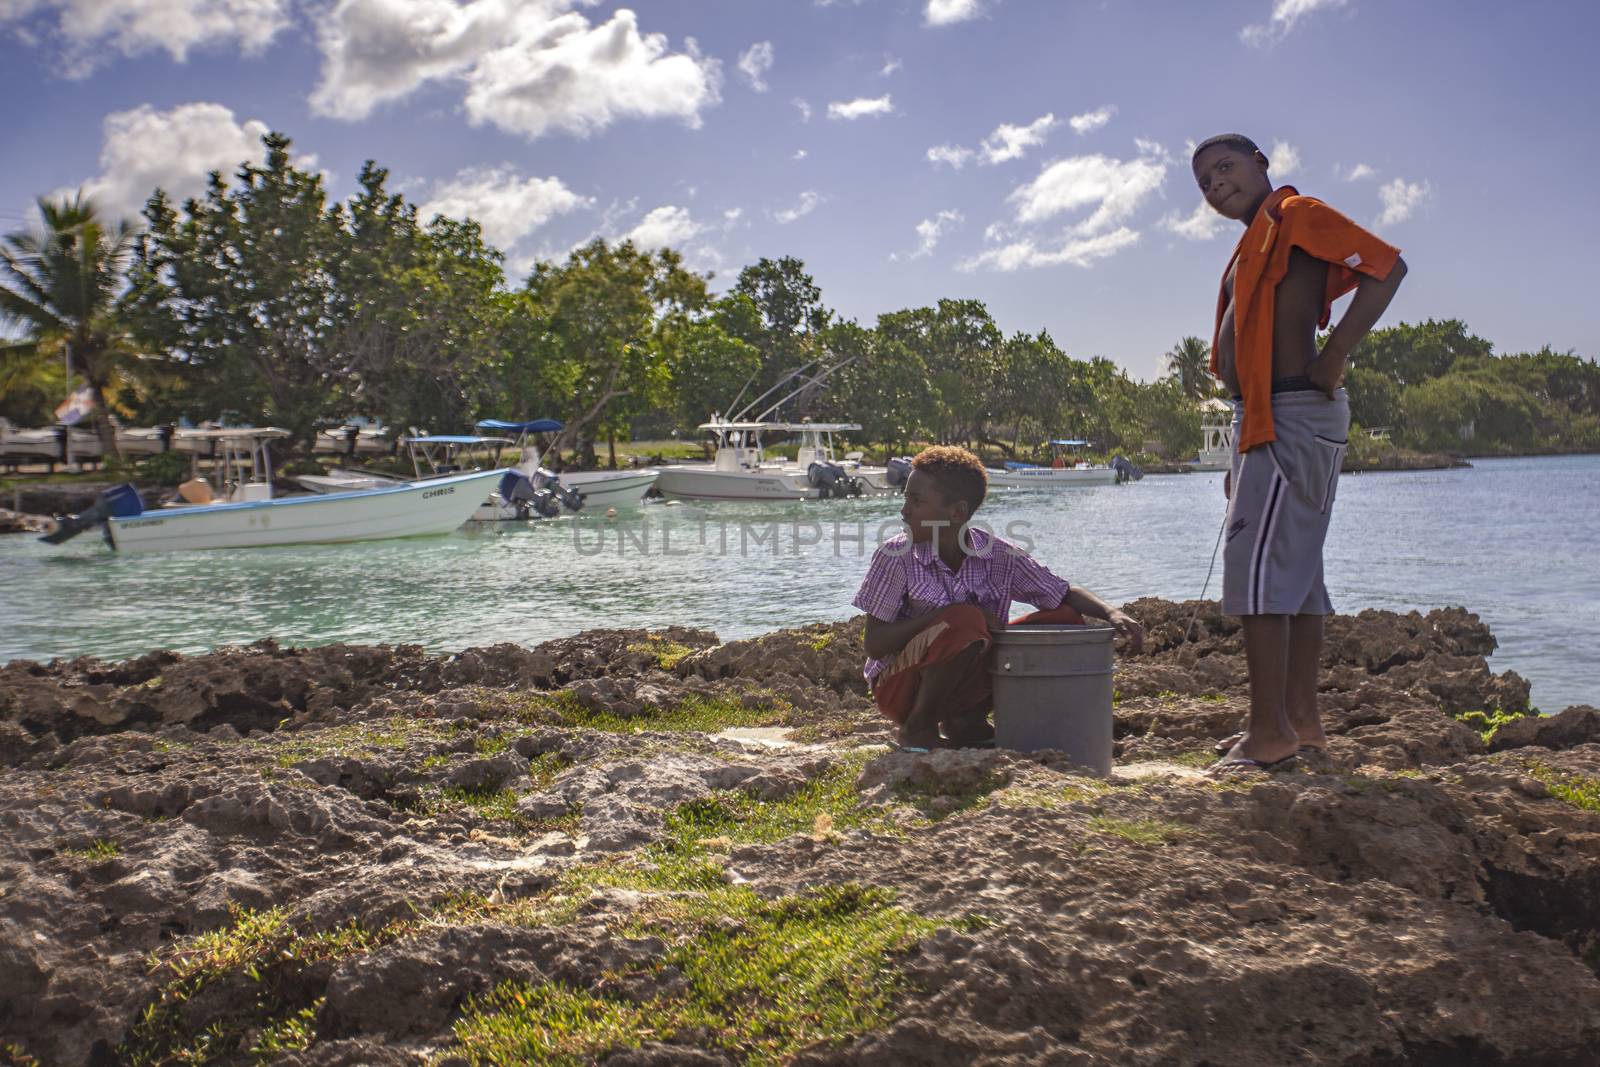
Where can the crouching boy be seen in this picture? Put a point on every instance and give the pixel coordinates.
(935, 599)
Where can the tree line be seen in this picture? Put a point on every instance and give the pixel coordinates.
(266, 301)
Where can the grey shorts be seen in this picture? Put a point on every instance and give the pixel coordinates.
(1278, 513)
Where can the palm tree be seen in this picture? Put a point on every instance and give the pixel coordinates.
(1190, 363)
(59, 290)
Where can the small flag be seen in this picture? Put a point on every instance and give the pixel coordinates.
(75, 407)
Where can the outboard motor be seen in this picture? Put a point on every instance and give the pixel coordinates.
(831, 480)
(899, 471)
(571, 498)
(1126, 470)
(120, 501)
(529, 499)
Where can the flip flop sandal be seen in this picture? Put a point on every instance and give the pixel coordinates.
(1241, 764)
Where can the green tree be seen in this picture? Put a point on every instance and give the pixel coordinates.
(883, 387)
(1189, 364)
(788, 313)
(1409, 354)
(960, 345)
(611, 316)
(243, 292)
(421, 312)
(59, 290)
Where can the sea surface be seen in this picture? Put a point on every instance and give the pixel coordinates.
(1515, 540)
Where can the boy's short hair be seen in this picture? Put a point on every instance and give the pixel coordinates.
(1236, 141)
(958, 473)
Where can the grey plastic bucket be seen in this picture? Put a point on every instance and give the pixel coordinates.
(1052, 689)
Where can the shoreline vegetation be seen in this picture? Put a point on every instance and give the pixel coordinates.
(267, 301)
(655, 847)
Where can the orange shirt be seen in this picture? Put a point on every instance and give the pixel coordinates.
(1286, 221)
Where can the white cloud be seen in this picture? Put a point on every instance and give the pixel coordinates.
(930, 230)
(86, 28)
(953, 155)
(506, 205)
(1359, 172)
(799, 153)
(732, 215)
(1011, 142)
(804, 206)
(1201, 224)
(1285, 14)
(1285, 159)
(1155, 148)
(1114, 187)
(528, 66)
(1076, 251)
(754, 62)
(175, 150)
(1090, 121)
(946, 12)
(664, 227)
(890, 65)
(861, 107)
(803, 107)
(1401, 199)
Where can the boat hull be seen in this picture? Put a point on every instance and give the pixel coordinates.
(600, 489)
(1051, 477)
(408, 510)
(683, 482)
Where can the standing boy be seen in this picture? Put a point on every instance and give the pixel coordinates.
(934, 600)
(1291, 426)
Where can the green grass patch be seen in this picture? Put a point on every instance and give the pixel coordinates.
(358, 738)
(1212, 698)
(102, 849)
(665, 653)
(267, 949)
(1086, 790)
(292, 1033)
(821, 642)
(764, 979)
(1487, 722)
(1579, 790)
(694, 714)
(492, 746)
(498, 804)
(434, 762)
(1139, 831)
(1200, 757)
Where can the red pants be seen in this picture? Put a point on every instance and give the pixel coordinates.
(956, 629)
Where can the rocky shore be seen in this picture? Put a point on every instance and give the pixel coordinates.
(654, 848)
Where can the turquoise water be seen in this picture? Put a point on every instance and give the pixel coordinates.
(1514, 540)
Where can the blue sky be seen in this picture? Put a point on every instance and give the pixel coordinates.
(1028, 153)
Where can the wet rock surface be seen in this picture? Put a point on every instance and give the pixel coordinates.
(358, 855)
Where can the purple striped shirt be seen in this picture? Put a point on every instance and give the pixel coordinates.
(907, 580)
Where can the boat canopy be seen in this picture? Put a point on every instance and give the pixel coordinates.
(455, 439)
(533, 426)
(716, 426)
(234, 433)
(1070, 442)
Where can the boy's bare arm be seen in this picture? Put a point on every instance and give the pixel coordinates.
(884, 639)
(1086, 603)
(1371, 299)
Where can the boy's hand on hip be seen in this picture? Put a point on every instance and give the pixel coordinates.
(1327, 372)
(1128, 627)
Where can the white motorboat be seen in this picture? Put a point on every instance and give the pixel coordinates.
(1064, 472)
(49, 444)
(596, 490)
(407, 510)
(352, 440)
(740, 470)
